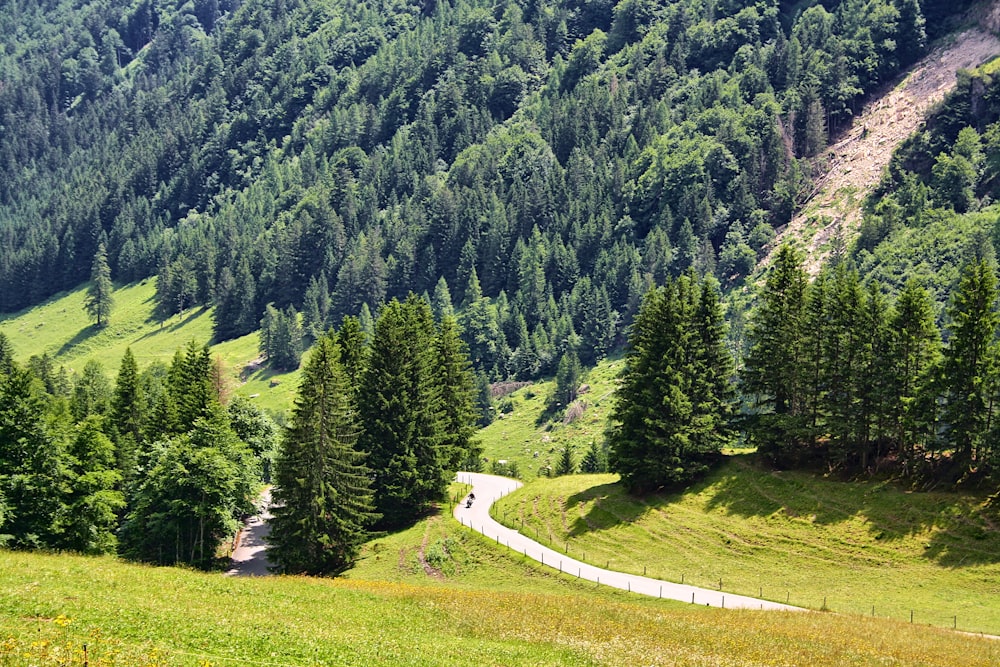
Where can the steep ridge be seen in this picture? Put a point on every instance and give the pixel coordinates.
(855, 163)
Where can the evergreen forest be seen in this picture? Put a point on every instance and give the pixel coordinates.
(416, 200)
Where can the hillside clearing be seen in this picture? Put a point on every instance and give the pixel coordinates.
(61, 329)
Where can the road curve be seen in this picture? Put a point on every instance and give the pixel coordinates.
(489, 488)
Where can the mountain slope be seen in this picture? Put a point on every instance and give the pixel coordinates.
(854, 165)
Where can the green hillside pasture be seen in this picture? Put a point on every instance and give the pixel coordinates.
(51, 606)
(517, 435)
(60, 327)
(439, 551)
(786, 536)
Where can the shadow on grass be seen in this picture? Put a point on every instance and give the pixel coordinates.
(174, 322)
(262, 374)
(82, 336)
(612, 505)
(958, 527)
(957, 530)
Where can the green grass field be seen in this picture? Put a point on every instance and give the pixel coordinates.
(485, 608)
(61, 328)
(786, 536)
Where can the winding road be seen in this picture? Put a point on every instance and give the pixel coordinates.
(489, 488)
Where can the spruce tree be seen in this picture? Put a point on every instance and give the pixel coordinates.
(100, 299)
(402, 417)
(566, 465)
(712, 391)
(671, 416)
(94, 499)
(567, 380)
(595, 460)
(31, 471)
(127, 401)
(843, 362)
(457, 385)
(92, 392)
(322, 488)
(353, 344)
(190, 386)
(235, 302)
(970, 365)
(914, 350)
(772, 374)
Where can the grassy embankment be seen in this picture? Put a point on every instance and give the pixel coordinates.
(61, 328)
(783, 535)
(787, 536)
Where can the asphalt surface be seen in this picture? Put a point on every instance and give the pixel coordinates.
(250, 556)
(489, 488)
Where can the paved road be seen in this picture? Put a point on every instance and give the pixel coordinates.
(489, 488)
(250, 556)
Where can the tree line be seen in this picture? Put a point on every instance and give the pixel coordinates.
(152, 465)
(380, 426)
(159, 465)
(836, 376)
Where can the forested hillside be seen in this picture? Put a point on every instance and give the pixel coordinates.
(537, 164)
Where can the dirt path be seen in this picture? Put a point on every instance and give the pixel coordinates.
(250, 555)
(860, 156)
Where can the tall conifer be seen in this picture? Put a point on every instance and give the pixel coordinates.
(322, 488)
(458, 396)
(772, 374)
(400, 406)
(970, 364)
(100, 301)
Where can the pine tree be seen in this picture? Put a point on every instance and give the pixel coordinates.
(401, 411)
(322, 488)
(970, 365)
(772, 374)
(100, 299)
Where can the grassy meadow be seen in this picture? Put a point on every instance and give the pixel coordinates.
(507, 612)
(529, 436)
(60, 328)
(788, 536)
